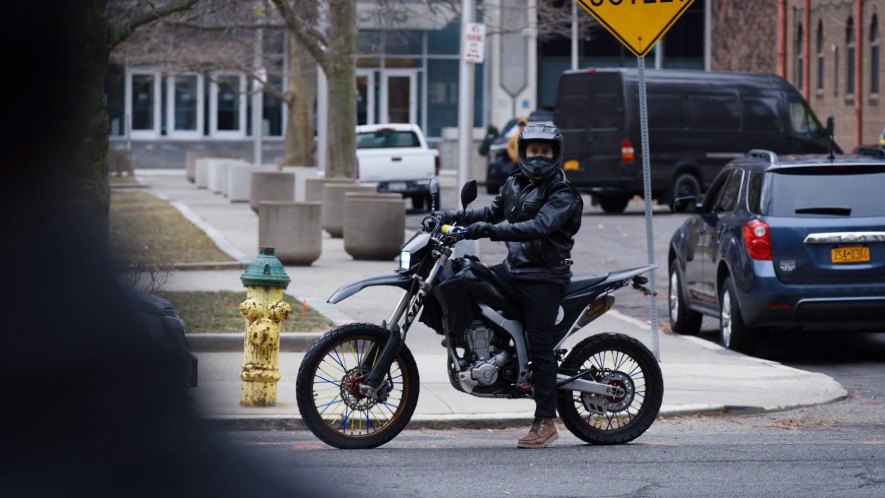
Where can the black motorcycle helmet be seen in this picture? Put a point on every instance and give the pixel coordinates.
(539, 168)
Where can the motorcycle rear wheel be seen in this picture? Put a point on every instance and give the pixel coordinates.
(619, 360)
(327, 389)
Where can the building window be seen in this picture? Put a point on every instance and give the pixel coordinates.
(227, 113)
(836, 71)
(800, 69)
(874, 55)
(274, 108)
(143, 103)
(115, 89)
(820, 56)
(849, 57)
(184, 105)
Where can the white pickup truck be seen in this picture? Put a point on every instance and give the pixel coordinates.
(397, 158)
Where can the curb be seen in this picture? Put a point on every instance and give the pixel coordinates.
(220, 342)
(442, 422)
(211, 265)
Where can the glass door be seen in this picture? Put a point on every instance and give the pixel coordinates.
(365, 97)
(399, 96)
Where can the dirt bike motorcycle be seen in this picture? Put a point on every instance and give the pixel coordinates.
(358, 385)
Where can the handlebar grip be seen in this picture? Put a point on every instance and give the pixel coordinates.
(453, 230)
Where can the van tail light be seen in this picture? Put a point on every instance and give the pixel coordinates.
(627, 152)
(757, 237)
(436, 165)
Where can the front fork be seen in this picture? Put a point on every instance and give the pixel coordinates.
(409, 304)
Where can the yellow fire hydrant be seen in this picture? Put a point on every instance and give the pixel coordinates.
(264, 309)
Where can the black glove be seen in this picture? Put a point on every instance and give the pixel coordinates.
(480, 230)
(450, 216)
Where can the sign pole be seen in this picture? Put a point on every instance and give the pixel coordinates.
(649, 228)
(465, 98)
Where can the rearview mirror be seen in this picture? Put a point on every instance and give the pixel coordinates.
(434, 195)
(828, 130)
(685, 204)
(468, 193)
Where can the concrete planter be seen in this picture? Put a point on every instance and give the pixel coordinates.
(190, 164)
(201, 172)
(313, 187)
(239, 180)
(271, 186)
(293, 229)
(302, 173)
(333, 205)
(217, 175)
(374, 225)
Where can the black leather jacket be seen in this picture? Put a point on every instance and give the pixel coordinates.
(538, 222)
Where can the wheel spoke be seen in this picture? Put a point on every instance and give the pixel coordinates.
(337, 398)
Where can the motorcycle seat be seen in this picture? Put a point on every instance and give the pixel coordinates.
(581, 283)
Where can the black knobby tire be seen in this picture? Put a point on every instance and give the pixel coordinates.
(733, 333)
(615, 357)
(683, 320)
(613, 203)
(328, 395)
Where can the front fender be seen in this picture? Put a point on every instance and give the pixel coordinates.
(395, 280)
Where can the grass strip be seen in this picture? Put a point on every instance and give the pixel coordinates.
(205, 311)
(149, 231)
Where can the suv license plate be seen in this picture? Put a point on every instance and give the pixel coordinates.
(396, 186)
(851, 254)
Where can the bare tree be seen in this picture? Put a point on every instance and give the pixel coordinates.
(100, 26)
(335, 52)
(225, 35)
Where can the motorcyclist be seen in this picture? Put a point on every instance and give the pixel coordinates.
(537, 213)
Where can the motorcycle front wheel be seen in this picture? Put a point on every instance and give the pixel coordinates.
(328, 389)
(617, 360)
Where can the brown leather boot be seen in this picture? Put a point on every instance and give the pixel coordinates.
(542, 433)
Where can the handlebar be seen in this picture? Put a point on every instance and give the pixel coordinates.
(454, 231)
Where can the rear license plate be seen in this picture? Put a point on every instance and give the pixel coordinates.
(396, 187)
(851, 254)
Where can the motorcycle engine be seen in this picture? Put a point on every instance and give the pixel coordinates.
(486, 358)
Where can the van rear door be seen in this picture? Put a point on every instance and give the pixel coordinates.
(590, 113)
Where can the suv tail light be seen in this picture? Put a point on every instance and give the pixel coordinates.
(757, 237)
(436, 165)
(627, 152)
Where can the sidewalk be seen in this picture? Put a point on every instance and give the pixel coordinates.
(699, 376)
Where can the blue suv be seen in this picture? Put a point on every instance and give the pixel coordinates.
(791, 242)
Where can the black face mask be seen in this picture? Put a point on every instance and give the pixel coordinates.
(538, 167)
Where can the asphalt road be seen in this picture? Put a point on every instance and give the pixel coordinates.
(768, 456)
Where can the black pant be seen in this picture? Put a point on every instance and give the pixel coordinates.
(540, 301)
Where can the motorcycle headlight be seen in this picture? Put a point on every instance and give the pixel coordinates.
(405, 260)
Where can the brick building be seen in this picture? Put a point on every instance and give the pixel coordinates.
(831, 50)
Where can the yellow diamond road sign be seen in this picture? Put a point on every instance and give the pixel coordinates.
(638, 24)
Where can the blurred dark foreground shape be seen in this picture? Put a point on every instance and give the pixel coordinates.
(93, 403)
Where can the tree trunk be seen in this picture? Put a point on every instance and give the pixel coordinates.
(299, 147)
(88, 135)
(341, 76)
